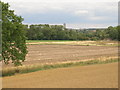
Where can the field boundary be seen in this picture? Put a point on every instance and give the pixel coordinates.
(66, 42)
(32, 68)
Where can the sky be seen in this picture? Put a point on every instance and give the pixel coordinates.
(75, 13)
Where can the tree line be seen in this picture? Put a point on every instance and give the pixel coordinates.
(59, 32)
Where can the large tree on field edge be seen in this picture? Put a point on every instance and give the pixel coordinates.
(13, 37)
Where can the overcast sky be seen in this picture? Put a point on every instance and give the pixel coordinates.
(75, 13)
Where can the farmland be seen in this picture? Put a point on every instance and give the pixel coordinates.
(59, 45)
(64, 51)
(59, 52)
(94, 76)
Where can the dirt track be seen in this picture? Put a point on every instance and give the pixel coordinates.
(94, 76)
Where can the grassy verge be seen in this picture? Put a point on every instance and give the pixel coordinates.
(33, 68)
(72, 42)
(29, 41)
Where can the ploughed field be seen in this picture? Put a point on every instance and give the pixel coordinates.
(61, 53)
(91, 76)
(42, 54)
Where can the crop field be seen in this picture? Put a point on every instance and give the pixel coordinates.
(49, 52)
(93, 76)
(58, 52)
(44, 52)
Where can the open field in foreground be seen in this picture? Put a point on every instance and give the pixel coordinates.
(93, 76)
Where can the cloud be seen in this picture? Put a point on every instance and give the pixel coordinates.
(81, 12)
(88, 25)
(89, 12)
(61, 1)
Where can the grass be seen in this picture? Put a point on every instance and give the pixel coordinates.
(72, 42)
(33, 68)
(30, 41)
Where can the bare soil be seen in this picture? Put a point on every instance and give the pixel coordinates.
(61, 53)
(93, 76)
(42, 54)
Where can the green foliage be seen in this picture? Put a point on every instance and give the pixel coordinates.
(13, 37)
(57, 32)
(118, 28)
(113, 32)
(51, 32)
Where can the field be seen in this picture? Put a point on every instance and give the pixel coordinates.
(55, 52)
(60, 52)
(70, 42)
(93, 76)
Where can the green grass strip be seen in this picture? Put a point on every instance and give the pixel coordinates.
(30, 41)
(34, 68)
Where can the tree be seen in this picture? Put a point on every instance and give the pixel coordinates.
(113, 32)
(13, 37)
(118, 30)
